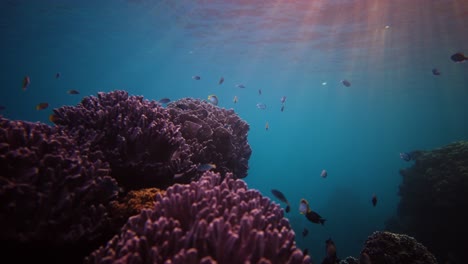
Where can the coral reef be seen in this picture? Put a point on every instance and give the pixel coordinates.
(217, 135)
(50, 189)
(144, 148)
(434, 201)
(350, 260)
(207, 221)
(386, 247)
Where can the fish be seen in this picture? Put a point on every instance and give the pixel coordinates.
(259, 91)
(2, 107)
(164, 100)
(405, 156)
(235, 99)
(213, 99)
(312, 216)
(282, 108)
(26, 82)
(221, 80)
(330, 252)
(206, 167)
(305, 232)
(73, 92)
(283, 99)
(53, 118)
(458, 57)
(374, 200)
(57, 75)
(435, 71)
(346, 83)
(324, 174)
(240, 86)
(278, 194)
(42, 106)
(267, 126)
(196, 77)
(261, 106)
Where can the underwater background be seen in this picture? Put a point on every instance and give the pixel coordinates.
(298, 49)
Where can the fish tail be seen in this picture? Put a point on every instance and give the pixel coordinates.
(322, 221)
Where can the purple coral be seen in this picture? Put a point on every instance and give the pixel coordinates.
(50, 189)
(386, 247)
(206, 221)
(143, 146)
(215, 134)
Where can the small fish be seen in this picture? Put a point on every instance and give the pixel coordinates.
(436, 71)
(305, 232)
(324, 174)
(213, 99)
(458, 57)
(267, 126)
(57, 75)
(261, 106)
(278, 194)
(330, 251)
(196, 77)
(374, 200)
(2, 107)
(324, 83)
(346, 83)
(206, 167)
(259, 91)
(312, 216)
(26, 82)
(282, 108)
(53, 118)
(405, 156)
(240, 86)
(42, 106)
(164, 100)
(235, 99)
(221, 81)
(283, 99)
(73, 92)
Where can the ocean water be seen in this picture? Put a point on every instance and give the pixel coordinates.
(298, 49)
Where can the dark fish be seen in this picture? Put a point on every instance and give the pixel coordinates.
(240, 86)
(458, 57)
(324, 174)
(73, 92)
(346, 83)
(314, 217)
(2, 107)
(42, 106)
(305, 232)
(26, 82)
(164, 100)
(374, 200)
(282, 108)
(405, 156)
(330, 252)
(267, 126)
(283, 99)
(259, 91)
(221, 81)
(182, 106)
(436, 71)
(305, 251)
(57, 75)
(282, 198)
(196, 77)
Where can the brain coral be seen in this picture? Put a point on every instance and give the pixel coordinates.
(207, 221)
(215, 134)
(50, 189)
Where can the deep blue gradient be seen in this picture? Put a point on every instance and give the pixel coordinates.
(284, 48)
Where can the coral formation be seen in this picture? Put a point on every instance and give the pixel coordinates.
(207, 221)
(217, 135)
(50, 189)
(434, 202)
(386, 247)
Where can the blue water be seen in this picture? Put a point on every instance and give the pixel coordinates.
(284, 48)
